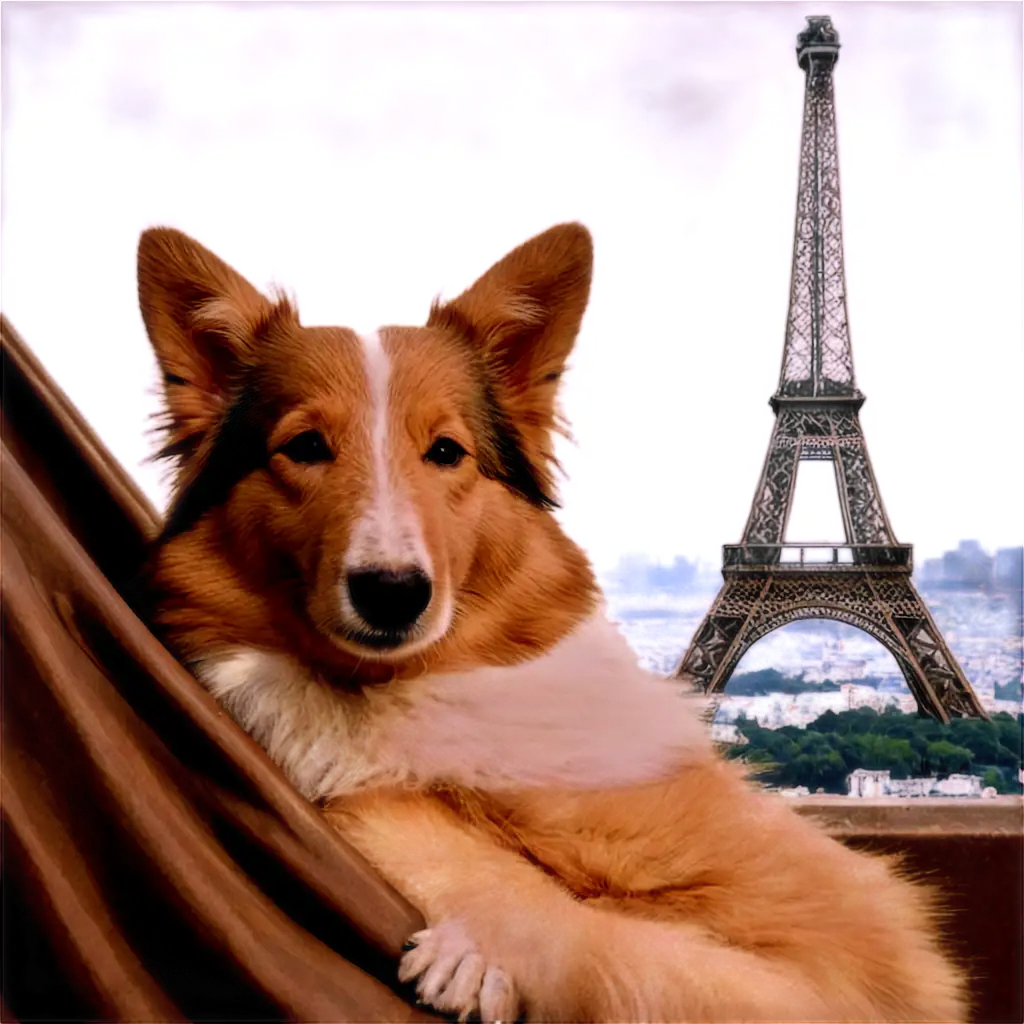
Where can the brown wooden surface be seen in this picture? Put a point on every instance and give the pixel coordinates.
(842, 816)
(979, 876)
(972, 851)
(157, 866)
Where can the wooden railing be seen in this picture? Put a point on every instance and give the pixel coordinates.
(970, 851)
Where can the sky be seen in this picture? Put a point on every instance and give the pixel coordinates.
(367, 157)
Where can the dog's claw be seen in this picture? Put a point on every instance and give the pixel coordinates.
(453, 977)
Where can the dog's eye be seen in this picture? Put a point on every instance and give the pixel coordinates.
(445, 452)
(306, 447)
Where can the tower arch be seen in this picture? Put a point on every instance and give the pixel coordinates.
(807, 613)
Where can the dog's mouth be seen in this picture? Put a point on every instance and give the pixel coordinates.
(376, 640)
(388, 645)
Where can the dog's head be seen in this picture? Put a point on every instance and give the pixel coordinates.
(363, 470)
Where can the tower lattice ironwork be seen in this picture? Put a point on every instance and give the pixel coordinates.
(866, 580)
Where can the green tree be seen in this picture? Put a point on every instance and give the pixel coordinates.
(770, 680)
(821, 755)
(1008, 691)
(861, 721)
(826, 771)
(1009, 729)
(947, 758)
(827, 723)
(981, 738)
(878, 752)
(815, 743)
(994, 777)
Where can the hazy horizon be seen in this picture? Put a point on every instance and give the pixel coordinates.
(368, 157)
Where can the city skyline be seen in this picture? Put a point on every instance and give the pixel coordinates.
(366, 162)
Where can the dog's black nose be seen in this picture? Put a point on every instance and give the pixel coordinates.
(388, 600)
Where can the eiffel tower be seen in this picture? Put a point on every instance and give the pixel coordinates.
(864, 581)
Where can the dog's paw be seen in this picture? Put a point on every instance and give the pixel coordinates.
(455, 978)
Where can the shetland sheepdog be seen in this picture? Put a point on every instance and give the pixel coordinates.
(360, 561)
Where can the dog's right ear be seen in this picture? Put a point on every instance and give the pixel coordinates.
(204, 321)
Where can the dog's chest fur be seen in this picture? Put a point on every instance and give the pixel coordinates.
(582, 715)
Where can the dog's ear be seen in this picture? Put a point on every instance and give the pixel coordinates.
(523, 316)
(204, 321)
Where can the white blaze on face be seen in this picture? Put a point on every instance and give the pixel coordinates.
(388, 534)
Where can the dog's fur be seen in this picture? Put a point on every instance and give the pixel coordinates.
(558, 815)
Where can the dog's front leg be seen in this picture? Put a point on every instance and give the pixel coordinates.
(501, 935)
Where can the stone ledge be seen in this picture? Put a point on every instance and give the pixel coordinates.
(841, 815)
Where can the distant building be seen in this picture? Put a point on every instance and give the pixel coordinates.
(1008, 570)
(867, 783)
(858, 696)
(959, 785)
(970, 567)
(952, 565)
(911, 787)
(836, 667)
(887, 673)
(777, 714)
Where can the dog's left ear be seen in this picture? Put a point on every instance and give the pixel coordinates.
(523, 316)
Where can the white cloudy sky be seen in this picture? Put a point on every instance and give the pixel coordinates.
(370, 156)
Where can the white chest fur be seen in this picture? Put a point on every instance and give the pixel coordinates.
(582, 715)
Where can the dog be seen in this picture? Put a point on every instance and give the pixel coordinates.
(360, 561)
